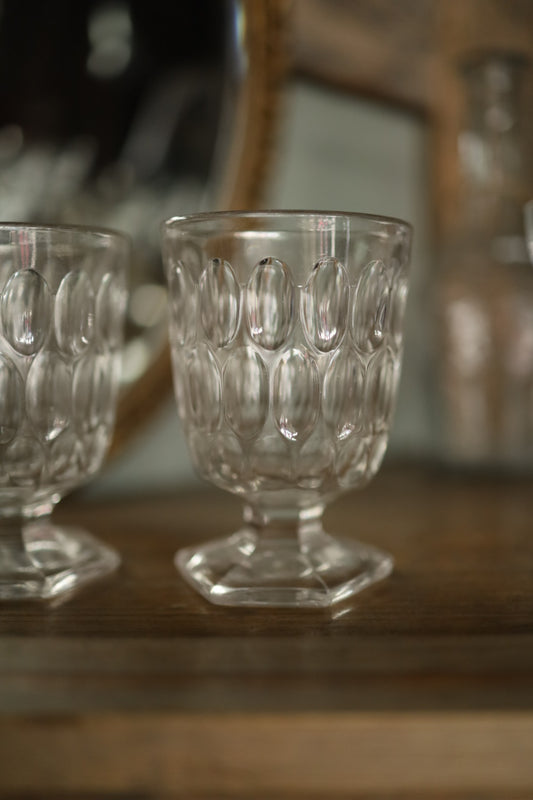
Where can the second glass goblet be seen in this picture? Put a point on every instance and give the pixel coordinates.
(286, 335)
(62, 304)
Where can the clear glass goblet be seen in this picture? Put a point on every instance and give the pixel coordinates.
(286, 335)
(62, 302)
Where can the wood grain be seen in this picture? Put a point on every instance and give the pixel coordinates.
(136, 684)
(290, 755)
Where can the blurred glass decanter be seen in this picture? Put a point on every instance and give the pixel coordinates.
(485, 285)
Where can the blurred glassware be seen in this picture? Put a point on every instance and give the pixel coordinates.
(484, 355)
(286, 331)
(62, 306)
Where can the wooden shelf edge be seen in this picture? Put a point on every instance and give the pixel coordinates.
(241, 753)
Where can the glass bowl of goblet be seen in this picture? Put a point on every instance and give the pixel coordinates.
(286, 340)
(62, 303)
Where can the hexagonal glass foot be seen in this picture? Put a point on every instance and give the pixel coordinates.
(41, 561)
(311, 569)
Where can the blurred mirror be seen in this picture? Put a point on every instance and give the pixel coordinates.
(121, 113)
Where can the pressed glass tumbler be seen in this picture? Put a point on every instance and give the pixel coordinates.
(286, 338)
(62, 302)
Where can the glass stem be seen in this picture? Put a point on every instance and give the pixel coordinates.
(288, 525)
(14, 558)
(12, 531)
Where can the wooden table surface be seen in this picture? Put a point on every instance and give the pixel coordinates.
(420, 687)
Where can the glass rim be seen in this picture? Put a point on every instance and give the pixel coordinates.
(204, 216)
(60, 227)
